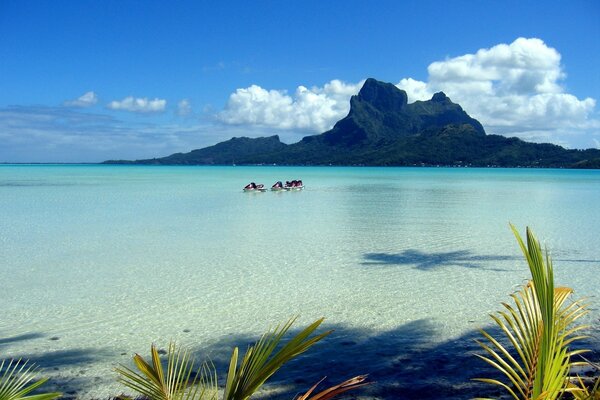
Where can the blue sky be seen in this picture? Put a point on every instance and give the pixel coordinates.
(85, 81)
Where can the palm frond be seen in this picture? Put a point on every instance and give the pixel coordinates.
(17, 381)
(261, 360)
(539, 329)
(335, 390)
(180, 382)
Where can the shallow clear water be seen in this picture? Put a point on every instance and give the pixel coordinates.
(97, 262)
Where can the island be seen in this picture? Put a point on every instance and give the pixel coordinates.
(383, 129)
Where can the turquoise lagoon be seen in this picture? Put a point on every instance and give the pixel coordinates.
(97, 262)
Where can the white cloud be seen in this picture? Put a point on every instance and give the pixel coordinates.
(141, 105)
(315, 109)
(525, 66)
(88, 99)
(512, 89)
(416, 90)
(184, 108)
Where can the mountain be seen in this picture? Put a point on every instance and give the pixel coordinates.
(383, 129)
(224, 153)
(380, 113)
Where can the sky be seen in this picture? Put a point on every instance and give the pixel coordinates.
(88, 80)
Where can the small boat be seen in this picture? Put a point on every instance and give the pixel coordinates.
(277, 187)
(294, 185)
(252, 187)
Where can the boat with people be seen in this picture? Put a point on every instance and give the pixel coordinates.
(277, 186)
(294, 185)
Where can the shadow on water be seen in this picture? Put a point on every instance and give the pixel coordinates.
(20, 338)
(408, 362)
(576, 260)
(404, 363)
(62, 358)
(52, 364)
(425, 261)
(51, 359)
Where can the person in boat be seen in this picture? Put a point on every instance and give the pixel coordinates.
(299, 183)
(249, 186)
(277, 185)
(259, 186)
(288, 184)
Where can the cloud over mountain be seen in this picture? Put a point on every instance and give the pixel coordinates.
(512, 89)
(140, 105)
(315, 109)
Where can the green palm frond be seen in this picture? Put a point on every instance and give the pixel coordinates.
(539, 328)
(261, 360)
(17, 381)
(180, 382)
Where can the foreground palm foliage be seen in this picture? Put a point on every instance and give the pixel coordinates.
(244, 378)
(180, 381)
(540, 329)
(535, 354)
(18, 380)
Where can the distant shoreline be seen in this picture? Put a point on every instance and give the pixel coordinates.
(128, 164)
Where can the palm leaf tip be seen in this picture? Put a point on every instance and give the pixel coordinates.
(266, 357)
(349, 384)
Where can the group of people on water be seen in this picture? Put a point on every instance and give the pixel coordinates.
(296, 183)
(288, 184)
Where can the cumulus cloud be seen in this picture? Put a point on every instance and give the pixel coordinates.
(88, 99)
(416, 90)
(513, 89)
(184, 108)
(139, 105)
(313, 109)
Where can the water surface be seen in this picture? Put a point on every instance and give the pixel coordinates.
(97, 262)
